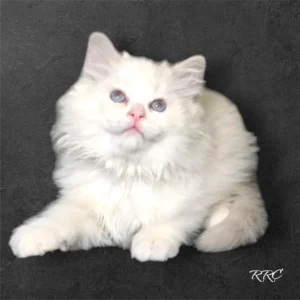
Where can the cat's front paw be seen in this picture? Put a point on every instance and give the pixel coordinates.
(29, 240)
(147, 247)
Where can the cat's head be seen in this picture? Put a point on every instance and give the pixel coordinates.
(124, 105)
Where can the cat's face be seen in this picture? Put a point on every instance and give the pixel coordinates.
(128, 104)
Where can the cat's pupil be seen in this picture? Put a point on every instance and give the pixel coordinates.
(117, 96)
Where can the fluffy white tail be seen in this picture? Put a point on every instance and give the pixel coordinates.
(237, 221)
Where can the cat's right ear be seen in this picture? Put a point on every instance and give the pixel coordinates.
(101, 56)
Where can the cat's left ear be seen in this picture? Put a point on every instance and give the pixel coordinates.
(189, 75)
(101, 56)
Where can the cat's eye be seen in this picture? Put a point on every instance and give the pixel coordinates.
(118, 96)
(158, 105)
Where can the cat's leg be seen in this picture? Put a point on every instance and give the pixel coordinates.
(239, 220)
(62, 225)
(160, 242)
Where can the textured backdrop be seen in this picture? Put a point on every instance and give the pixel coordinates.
(252, 50)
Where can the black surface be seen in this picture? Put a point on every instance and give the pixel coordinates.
(252, 49)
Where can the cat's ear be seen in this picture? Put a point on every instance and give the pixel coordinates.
(188, 76)
(101, 56)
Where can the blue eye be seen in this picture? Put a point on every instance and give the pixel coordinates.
(117, 96)
(158, 105)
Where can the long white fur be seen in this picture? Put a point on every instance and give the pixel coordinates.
(193, 166)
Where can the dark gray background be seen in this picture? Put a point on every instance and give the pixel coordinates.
(252, 50)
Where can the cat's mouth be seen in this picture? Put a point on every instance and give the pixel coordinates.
(137, 131)
(133, 130)
(129, 131)
(147, 135)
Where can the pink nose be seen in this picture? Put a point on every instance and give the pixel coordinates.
(137, 112)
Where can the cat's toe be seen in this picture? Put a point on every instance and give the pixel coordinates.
(28, 240)
(155, 249)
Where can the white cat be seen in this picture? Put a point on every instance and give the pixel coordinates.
(146, 157)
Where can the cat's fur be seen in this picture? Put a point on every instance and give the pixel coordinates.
(193, 167)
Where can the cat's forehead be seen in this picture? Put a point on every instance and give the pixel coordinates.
(142, 74)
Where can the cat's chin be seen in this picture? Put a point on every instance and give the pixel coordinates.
(132, 142)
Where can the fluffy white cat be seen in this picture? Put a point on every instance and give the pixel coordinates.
(146, 158)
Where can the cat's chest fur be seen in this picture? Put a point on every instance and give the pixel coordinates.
(123, 205)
